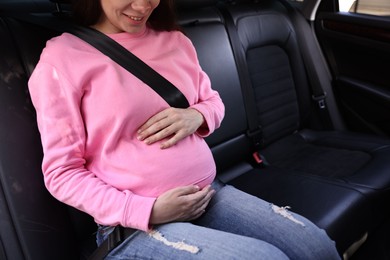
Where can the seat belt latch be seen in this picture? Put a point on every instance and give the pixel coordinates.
(257, 137)
(320, 100)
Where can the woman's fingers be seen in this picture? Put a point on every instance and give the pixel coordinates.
(172, 125)
(181, 204)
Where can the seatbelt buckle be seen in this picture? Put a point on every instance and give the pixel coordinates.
(320, 100)
(257, 137)
(257, 157)
(259, 160)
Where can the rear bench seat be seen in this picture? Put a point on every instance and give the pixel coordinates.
(306, 168)
(302, 171)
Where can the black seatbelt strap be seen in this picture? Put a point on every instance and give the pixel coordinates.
(254, 131)
(170, 93)
(114, 239)
(133, 64)
(306, 45)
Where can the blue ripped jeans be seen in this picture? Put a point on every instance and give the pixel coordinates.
(236, 225)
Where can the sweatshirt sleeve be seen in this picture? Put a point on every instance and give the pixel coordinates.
(60, 121)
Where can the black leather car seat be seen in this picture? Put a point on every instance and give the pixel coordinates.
(294, 143)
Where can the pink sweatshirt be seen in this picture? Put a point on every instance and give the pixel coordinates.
(89, 110)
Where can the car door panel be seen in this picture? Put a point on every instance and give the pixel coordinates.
(357, 48)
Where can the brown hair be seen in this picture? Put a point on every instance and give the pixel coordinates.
(163, 18)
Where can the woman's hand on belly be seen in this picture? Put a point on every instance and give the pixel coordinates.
(171, 123)
(181, 204)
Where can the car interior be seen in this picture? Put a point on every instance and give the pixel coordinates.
(306, 123)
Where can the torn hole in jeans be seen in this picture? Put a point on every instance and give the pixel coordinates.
(284, 212)
(177, 245)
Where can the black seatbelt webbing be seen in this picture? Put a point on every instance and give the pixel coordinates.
(114, 239)
(303, 32)
(254, 128)
(133, 64)
(170, 93)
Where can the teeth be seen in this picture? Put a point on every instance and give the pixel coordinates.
(135, 18)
